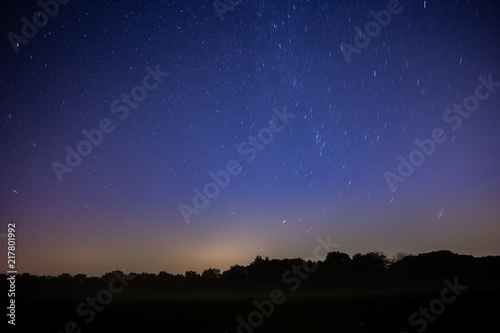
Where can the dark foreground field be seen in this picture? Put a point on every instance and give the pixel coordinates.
(472, 311)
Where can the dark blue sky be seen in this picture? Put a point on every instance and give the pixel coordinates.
(322, 173)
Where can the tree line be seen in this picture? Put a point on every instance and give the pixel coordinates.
(337, 273)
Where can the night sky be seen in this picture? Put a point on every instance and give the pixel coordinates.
(308, 129)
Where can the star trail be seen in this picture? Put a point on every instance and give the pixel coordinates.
(182, 135)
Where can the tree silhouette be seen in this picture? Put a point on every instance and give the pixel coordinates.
(211, 274)
(338, 272)
(370, 264)
(400, 256)
(192, 275)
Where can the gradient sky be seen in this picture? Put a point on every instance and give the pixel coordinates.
(323, 174)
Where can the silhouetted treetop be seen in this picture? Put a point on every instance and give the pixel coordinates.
(337, 272)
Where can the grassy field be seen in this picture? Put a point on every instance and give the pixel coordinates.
(471, 312)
